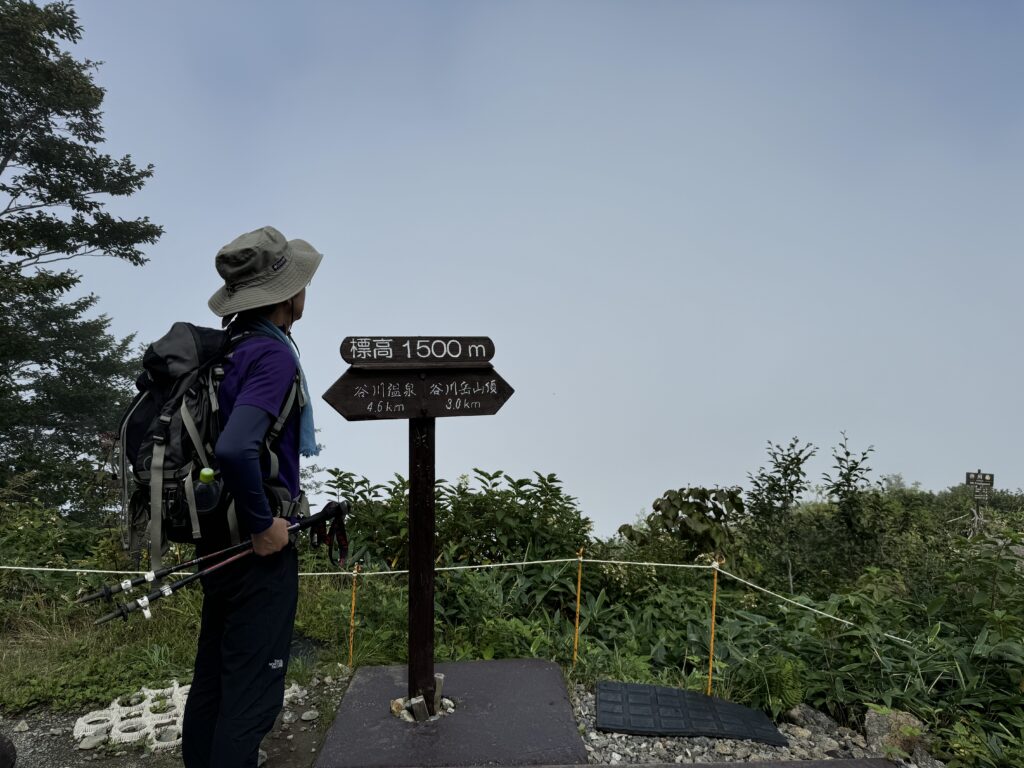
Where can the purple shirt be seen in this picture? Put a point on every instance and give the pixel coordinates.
(260, 372)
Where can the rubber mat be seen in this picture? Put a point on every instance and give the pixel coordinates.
(651, 710)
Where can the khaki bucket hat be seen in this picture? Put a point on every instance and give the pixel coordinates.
(262, 268)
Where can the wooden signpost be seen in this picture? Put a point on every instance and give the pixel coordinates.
(419, 378)
(982, 483)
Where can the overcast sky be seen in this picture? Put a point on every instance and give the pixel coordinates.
(688, 227)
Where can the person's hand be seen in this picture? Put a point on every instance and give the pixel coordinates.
(271, 540)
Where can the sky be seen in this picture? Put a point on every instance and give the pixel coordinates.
(689, 228)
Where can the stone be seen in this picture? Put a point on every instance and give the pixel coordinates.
(616, 757)
(723, 748)
(798, 732)
(310, 715)
(923, 760)
(261, 759)
(21, 727)
(294, 692)
(91, 742)
(826, 744)
(808, 717)
(418, 707)
(892, 729)
(289, 717)
(329, 680)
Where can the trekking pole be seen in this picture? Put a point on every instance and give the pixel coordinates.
(334, 511)
(143, 603)
(108, 591)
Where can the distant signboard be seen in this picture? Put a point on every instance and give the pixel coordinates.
(416, 351)
(981, 482)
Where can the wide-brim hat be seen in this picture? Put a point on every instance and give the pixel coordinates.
(262, 268)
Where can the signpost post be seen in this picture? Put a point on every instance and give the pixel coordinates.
(982, 483)
(419, 378)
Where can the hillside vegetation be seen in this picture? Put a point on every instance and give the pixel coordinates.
(932, 597)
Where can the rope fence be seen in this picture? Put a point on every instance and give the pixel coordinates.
(357, 573)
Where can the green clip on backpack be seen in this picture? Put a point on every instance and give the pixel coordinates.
(167, 437)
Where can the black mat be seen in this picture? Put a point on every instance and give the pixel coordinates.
(508, 712)
(651, 710)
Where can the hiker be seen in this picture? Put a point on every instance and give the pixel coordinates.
(8, 754)
(249, 606)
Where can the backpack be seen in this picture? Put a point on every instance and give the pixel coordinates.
(167, 437)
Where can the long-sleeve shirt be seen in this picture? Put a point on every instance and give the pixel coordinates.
(258, 376)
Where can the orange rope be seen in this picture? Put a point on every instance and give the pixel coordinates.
(579, 582)
(714, 603)
(352, 616)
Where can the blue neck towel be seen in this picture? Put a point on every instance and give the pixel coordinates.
(307, 432)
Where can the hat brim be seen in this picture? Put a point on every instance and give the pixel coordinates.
(296, 274)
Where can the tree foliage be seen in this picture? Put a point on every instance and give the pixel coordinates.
(64, 379)
(55, 179)
(696, 518)
(63, 376)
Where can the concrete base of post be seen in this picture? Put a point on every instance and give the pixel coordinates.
(500, 707)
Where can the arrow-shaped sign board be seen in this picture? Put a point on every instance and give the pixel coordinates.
(362, 394)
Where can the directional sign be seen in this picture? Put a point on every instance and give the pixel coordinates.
(416, 351)
(403, 394)
(419, 378)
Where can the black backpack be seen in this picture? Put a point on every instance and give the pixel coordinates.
(167, 437)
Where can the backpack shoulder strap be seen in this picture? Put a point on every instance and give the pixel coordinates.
(295, 395)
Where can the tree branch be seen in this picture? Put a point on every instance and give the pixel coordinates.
(37, 260)
(12, 208)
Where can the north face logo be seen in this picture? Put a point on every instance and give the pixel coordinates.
(276, 664)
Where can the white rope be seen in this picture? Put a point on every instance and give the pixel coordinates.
(66, 570)
(801, 605)
(517, 564)
(656, 565)
(368, 574)
(443, 568)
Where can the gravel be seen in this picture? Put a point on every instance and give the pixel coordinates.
(292, 743)
(817, 737)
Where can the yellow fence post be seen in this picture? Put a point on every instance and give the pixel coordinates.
(579, 582)
(714, 603)
(352, 616)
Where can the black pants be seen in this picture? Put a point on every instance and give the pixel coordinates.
(238, 685)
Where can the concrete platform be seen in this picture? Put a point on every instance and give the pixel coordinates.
(509, 712)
